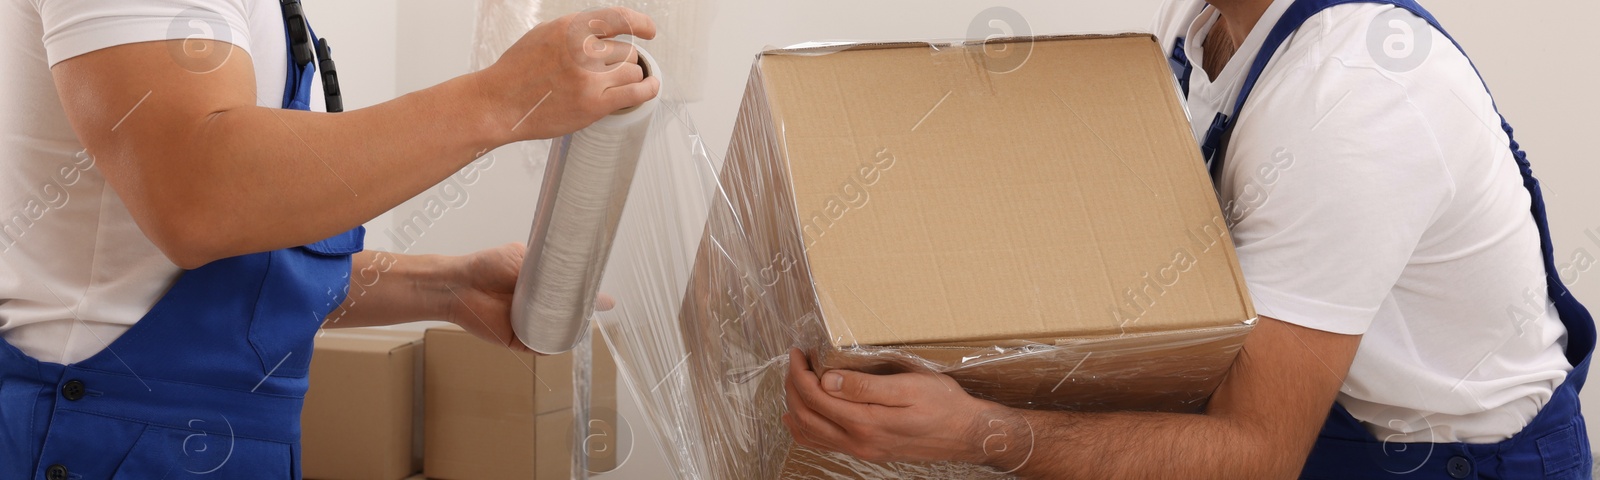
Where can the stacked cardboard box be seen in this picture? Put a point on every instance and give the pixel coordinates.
(385, 404)
(492, 413)
(1038, 224)
(362, 418)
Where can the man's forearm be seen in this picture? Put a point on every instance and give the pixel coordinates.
(1073, 445)
(253, 173)
(388, 289)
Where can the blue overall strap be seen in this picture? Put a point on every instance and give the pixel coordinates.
(1181, 66)
(1554, 444)
(302, 68)
(307, 55)
(1216, 138)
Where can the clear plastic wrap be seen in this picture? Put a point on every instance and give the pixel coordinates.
(712, 270)
(498, 25)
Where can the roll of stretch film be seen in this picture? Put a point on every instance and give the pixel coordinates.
(585, 185)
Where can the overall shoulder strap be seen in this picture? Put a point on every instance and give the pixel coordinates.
(297, 36)
(1579, 322)
(307, 54)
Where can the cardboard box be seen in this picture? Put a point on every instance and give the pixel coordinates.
(1043, 230)
(361, 418)
(493, 413)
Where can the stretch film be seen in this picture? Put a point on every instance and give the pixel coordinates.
(580, 203)
(500, 23)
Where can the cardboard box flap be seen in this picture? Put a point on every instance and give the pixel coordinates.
(945, 198)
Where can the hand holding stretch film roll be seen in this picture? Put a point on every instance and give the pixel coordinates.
(586, 183)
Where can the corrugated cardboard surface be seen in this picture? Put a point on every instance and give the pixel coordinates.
(492, 413)
(360, 415)
(900, 206)
(943, 202)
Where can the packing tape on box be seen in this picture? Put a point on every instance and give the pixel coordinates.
(585, 186)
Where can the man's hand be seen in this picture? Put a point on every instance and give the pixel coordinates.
(479, 292)
(473, 291)
(909, 417)
(1260, 423)
(568, 72)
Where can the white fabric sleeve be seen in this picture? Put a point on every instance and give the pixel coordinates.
(1332, 177)
(76, 27)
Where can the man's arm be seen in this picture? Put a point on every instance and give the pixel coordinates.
(207, 173)
(473, 291)
(1261, 423)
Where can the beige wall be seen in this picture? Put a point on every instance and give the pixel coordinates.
(1537, 60)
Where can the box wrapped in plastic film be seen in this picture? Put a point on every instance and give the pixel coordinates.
(1028, 216)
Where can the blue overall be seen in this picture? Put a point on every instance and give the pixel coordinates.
(208, 384)
(1555, 443)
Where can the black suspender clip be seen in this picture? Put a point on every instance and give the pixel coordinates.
(303, 51)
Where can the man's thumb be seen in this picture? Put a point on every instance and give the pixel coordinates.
(886, 390)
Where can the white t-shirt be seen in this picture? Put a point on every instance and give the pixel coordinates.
(75, 271)
(1373, 192)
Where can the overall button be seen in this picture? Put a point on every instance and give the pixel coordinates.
(55, 472)
(1459, 467)
(73, 391)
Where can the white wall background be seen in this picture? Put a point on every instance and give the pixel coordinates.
(1536, 56)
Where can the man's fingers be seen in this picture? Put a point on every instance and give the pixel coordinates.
(623, 74)
(802, 420)
(886, 390)
(610, 22)
(838, 410)
(632, 94)
(604, 303)
(609, 52)
(622, 53)
(799, 433)
(798, 361)
(633, 55)
(810, 424)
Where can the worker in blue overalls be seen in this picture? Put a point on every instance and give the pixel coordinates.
(1413, 324)
(162, 327)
